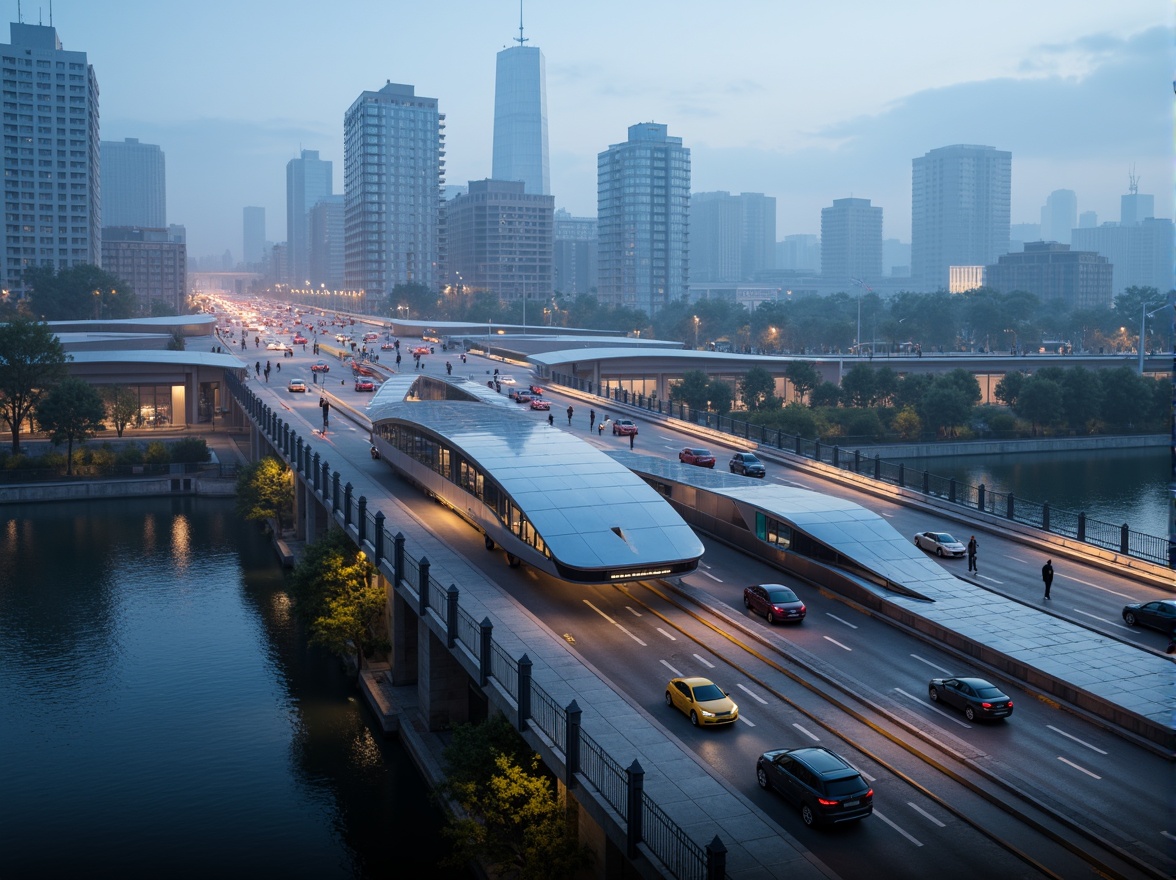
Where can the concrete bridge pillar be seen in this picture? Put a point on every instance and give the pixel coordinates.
(442, 683)
(402, 635)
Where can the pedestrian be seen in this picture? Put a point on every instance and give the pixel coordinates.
(632, 437)
(550, 419)
(1047, 576)
(279, 366)
(448, 368)
(972, 554)
(591, 419)
(257, 368)
(569, 416)
(266, 372)
(326, 413)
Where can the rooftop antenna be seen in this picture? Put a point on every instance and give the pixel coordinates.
(1132, 181)
(520, 39)
(19, 17)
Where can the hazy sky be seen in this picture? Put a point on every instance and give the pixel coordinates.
(804, 102)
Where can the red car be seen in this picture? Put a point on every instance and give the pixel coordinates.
(320, 367)
(776, 602)
(299, 339)
(363, 383)
(358, 369)
(695, 455)
(623, 428)
(540, 403)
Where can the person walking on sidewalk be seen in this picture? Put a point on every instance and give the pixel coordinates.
(569, 416)
(1047, 576)
(972, 554)
(591, 419)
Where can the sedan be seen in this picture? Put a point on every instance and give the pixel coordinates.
(540, 404)
(697, 456)
(939, 543)
(747, 464)
(358, 369)
(320, 367)
(975, 696)
(299, 339)
(624, 428)
(1160, 615)
(277, 346)
(702, 701)
(506, 380)
(824, 785)
(296, 385)
(774, 602)
(363, 383)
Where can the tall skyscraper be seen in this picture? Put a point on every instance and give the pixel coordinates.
(134, 178)
(731, 237)
(851, 242)
(643, 219)
(54, 223)
(960, 198)
(308, 179)
(393, 144)
(1139, 246)
(253, 238)
(574, 253)
(520, 116)
(799, 253)
(325, 237)
(1059, 215)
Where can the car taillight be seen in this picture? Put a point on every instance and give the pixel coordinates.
(802, 608)
(986, 705)
(825, 802)
(870, 793)
(1010, 704)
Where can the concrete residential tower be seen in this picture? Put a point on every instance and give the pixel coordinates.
(134, 179)
(520, 117)
(308, 179)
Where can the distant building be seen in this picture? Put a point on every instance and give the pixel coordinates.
(575, 254)
(896, 258)
(253, 236)
(134, 184)
(324, 230)
(643, 217)
(1140, 254)
(500, 240)
(42, 228)
(1135, 207)
(308, 179)
(851, 242)
(152, 261)
(520, 117)
(965, 278)
(1059, 215)
(1056, 275)
(799, 253)
(1088, 220)
(393, 149)
(731, 237)
(960, 198)
(1019, 233)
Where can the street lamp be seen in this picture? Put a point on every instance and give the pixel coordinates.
(696, 323)
(1143, 324)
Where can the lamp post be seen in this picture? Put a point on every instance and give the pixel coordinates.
(1142, 328)
(696, 323)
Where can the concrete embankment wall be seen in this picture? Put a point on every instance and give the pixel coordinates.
(179, 484)
(896, 451)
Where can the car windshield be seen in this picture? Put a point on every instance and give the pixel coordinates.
(701, 453)
(781, 596)
(705, 693)
(989, 693)
(945, 538)
(843, 787)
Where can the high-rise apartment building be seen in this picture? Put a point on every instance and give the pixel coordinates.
(731, 237)
(520, 117)
(643, 219)
(574, 254)
(308, 179)
(851, 242)
(52, 204)
(1139, 246)
(500, 241)
(134, 184)
(153, 261)
(253, 236)
(393, 171)
(325, 242)
(960, 204)
(1059, 215)
(799, 253)
(1055, 274)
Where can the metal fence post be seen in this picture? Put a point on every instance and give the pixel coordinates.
(486, 631)
(423, 585)
(1082, 526)
(361, 518)
(326, 478)
(398, 557)
(524, 691)
(901, 475)
(635, 779)
(378, 537)
(951, 490)
(451, 616)
(836, 456)
(926, 482)
(716, 860)
(1010, 506)
(1045, 516)
(335, 492)
(877, 466)
(980, 496)
(1124, 538)
(572, 743)
(857, 461)
(817, 449)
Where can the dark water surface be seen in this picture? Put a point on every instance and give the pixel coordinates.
(161, 715)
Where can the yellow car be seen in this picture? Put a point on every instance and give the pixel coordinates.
(703, 701)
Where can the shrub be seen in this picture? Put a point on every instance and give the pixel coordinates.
(130, 454)
(157, 453)
(190, 449)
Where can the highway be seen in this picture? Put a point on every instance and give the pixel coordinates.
(1045, 793)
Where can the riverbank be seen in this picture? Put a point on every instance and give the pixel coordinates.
(946, 448)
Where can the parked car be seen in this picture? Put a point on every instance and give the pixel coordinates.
(975, 696)
(320, 367)
(358, 369)
(505, 380)
(519, 395)
(698, 456)
(623, 428)
(702, 701)
(540, 404)
(1160, 614)
(747, 464)
(277, 346)
(296, 385)
(775, 602)
(939, 543)
(824, 785)
(299, 339)
(363, 383)
(370, 337)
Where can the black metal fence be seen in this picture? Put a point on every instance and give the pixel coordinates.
(622, 788)
(1119, 538)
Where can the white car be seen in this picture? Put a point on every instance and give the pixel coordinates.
(277, 346)
(506, 380)
(939, 543)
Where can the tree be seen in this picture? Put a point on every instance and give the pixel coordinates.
(122, 405)
(825, 394)
(1040, 401)
(804, 377)
(720, 396)
(693, 390)
(1008, 389)
(79, 293)
(336, 593)
(798, 420)
(758, 389)
(72, 410)
(907, 423)
(1125, 396)
(31, 362)
(265, 491)
(944, 406)
(1082, 397)
(858, 387)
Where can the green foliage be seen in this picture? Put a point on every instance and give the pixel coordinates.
(71, 412)
(515, 824)
(190, 449)
(863, 425)
(1125, 397)
(122, 405)
(80, 292)
(693, 390)
(758, 389)
(1040, 401)
(721, 396)
(804, 377)
(907, 423)
(799, 420)
(825, 394)
(31, 362)
(1082, 397)
(265, 490)
(130, 454)
(176, 342)
(157, 453)
(945, 406)
(1008, 389)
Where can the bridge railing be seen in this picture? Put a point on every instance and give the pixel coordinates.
(1069, 524)
(584, 758)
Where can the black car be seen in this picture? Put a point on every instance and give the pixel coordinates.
(774, 601)
(975, 696)
(747, 464)
(825, 787)
(1160, 615)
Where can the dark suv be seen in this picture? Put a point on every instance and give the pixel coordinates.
(822, 784)
(747, 464)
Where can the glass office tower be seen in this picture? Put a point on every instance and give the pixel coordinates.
(520, 118)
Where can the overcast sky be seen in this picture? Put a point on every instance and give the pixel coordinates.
(804, 102)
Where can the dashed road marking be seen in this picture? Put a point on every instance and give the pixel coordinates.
(1079, 741)
(752, 695)
(896, 828)
(1079, 769)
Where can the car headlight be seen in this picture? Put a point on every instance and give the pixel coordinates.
(706, 714)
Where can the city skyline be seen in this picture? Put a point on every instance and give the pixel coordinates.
(785, 102)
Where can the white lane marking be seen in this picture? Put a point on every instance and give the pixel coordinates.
(1103, 620)
(704, 661)
(712, 577)
(1098, 587)
(1168, 835)
(1079, 769)
(750, 694)
(703, 564)
(745, 721)
(839, 620)
(838, 644)
(896, 828)
(925, 814)
(807, 733)
(934, 708)
(1080, 742)
(884, 513)
(987, 578)
(614, 623)
(666, 664)
(932, 665)
(633, 611)
(667, 635)
(1018, 559)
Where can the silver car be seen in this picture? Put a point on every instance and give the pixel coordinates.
(939, 543)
